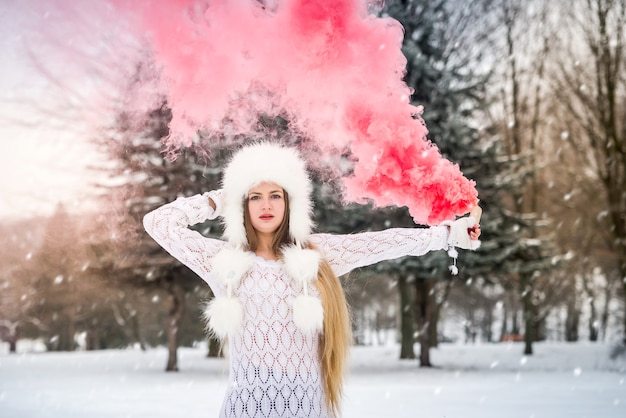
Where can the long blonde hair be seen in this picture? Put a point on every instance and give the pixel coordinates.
(336, 338)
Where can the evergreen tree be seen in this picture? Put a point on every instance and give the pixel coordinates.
(19, 241)
(69, 300)
(443, 68)
(148, 179)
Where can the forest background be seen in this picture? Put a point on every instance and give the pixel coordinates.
(528, 97)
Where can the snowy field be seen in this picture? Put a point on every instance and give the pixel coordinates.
(480, 381)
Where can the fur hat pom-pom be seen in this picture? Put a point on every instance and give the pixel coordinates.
(308, 314)
(454, 270)
(224, 316)
(231, 264)
(301, 264)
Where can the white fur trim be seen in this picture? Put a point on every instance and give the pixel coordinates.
(224, 316)
(308, 314)
(301, 264)
(266, 162)
(459, 237)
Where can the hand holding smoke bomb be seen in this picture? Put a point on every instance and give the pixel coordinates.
(474, 231)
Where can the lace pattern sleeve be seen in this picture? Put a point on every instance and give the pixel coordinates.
(346, 252)
(168, 226)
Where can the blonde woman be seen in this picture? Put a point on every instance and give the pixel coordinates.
(278, 300)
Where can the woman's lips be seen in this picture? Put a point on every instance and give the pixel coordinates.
(266, 217)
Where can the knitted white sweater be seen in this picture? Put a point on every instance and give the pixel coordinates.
(274, 367)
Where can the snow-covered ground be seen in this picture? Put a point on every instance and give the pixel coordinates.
(474, 381)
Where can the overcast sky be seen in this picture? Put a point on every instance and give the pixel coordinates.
(45, 147)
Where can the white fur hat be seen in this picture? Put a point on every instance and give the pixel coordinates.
(266, 162)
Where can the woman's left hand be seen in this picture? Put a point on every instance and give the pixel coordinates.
(474, 232)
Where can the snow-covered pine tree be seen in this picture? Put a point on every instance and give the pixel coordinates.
(443, 43)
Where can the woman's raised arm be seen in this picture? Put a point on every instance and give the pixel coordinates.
(347, 252)
(169, 225)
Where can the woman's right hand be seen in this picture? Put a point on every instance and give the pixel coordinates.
(214, 198)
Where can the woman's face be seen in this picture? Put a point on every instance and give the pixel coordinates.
(266, 207)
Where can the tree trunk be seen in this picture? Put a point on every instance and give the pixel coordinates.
(624, 316)
(423, 305)
(436, 312)
(604, 322)
(528, 307)
(433, 326)
(215, 347)
(593, 321)
(406, 319)
(66, 335)
(377, 327)
(128, 320)
(9, 333)
(176, 302)
(488, 323)
(623, 274)
(515, 329)
(92, 341)
(541, 327)
(572, 319)
(12, 340)
(505, 319)
(359, 334)
(470, 334)
(136, 331)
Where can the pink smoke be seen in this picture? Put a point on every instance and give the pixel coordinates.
(333, 68)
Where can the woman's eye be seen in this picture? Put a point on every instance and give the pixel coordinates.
(255, 197)
(276, 196)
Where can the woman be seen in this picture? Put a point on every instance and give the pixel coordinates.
(277, 297)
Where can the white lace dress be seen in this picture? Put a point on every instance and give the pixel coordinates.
(274, 367)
